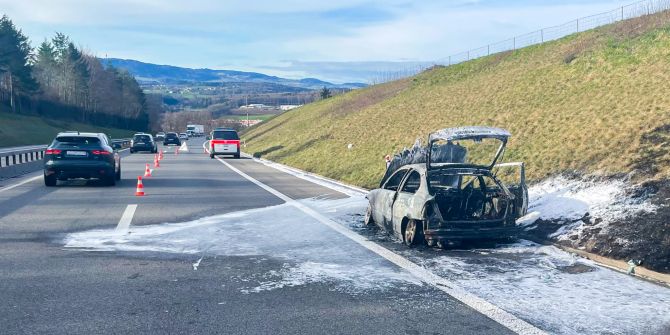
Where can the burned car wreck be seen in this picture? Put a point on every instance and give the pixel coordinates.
(448, 191)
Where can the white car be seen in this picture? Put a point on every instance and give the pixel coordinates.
(183, 136)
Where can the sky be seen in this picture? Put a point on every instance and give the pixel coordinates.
(336, 40)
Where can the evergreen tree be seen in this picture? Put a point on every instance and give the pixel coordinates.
(325, 93)
(15, 57)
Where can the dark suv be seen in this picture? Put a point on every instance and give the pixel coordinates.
(81, 155)
(171, 138)
(143, 142)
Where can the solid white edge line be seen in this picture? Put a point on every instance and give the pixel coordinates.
(480, 305)
(19, 184)
(126, 218)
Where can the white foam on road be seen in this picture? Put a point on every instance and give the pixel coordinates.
(309, 252)
(539, 284)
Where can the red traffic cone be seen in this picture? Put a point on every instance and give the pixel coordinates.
(147, 172)
(160, 155)
(176, 151)
(139, 192)
(156, 163)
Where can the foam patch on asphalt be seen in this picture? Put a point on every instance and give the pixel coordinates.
(559, 292)
(312, 253)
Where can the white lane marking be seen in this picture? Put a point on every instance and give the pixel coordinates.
(480, 305)
(19, 184)
(126, 218)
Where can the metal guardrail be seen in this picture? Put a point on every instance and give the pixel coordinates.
(20, 155)
(19, 160)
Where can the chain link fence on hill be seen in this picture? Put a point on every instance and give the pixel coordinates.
(638, 9)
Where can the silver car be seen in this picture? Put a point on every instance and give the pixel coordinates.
(449, 191)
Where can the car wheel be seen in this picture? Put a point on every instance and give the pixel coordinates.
(368, 217)
(211, 156)
(413, 234)
(50, 180)
(132, 151)
(237, 156)
(117, 176)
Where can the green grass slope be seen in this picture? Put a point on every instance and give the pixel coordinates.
(18, 129)
(595, 102)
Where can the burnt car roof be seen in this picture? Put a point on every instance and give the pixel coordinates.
(460, 133)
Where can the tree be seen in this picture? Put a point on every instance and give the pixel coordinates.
(45, 70)
(325, 93)
(15, 57)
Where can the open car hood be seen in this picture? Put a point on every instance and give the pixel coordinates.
(447, 148)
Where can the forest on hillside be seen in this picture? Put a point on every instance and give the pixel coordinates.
(59, 80)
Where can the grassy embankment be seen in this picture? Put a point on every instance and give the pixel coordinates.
(595, 102)
(18, 129)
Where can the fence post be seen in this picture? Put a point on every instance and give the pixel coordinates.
(577, 25)
(621, 13)
(514, 43)
(468, 54)
(449, 60)
(542, 35)
(488, 50)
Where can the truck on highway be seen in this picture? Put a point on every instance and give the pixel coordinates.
(195, 130)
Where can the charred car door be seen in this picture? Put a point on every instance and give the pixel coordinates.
(386, 197)
(406, 201)
(513, 176)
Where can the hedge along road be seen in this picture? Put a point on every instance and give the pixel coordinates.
(262, 267)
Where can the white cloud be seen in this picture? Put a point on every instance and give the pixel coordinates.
(260, 34)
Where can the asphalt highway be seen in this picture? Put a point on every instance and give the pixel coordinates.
(47, 288)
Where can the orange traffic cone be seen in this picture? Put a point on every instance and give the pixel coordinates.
(160, 155)
(176, 151)
(156, 163)
(140, 187)
(147, 172)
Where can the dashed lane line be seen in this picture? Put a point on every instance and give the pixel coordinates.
(126, 219)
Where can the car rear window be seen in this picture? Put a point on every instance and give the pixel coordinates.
(142, 138)
(225, 135)
(76, 140)
(171, 135)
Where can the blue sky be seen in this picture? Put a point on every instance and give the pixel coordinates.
(337, 40)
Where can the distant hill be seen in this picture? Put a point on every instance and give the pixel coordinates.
(167, 74)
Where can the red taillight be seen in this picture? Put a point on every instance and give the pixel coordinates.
(101, 152)
(52, 152)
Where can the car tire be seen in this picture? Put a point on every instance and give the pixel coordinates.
(368, 221)
(211, 156)
(237, 156)
(50, 180)
(132, 151)
(413, 233)
(117, 175)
